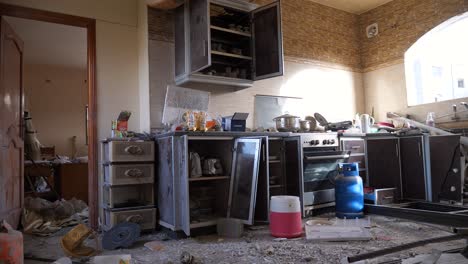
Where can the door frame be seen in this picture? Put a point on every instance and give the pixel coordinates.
(90, 25)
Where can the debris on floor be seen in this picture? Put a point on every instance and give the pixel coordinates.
(254, 246)
(42, 218)
(154, 246)
(113, 259)
(437, 258)
(334, 230)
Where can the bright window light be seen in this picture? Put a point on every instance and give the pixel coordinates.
(436, 66)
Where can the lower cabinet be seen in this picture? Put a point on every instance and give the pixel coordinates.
(234, 179)
(383, 163)
(414, 165)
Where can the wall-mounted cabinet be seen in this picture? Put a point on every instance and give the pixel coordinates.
(227, 43)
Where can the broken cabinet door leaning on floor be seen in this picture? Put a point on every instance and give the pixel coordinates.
(11, 135)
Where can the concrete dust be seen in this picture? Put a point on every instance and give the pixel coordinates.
(257, 246)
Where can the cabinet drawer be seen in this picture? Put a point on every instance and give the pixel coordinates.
(146, 218)
(359, 158)
(128, 196)
(129, 151)
(128, 174)
(355, 146)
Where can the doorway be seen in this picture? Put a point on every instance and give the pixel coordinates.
(87, 142)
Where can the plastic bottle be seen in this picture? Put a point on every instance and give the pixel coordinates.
(430, 119)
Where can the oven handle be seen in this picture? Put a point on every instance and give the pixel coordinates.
(345, 156)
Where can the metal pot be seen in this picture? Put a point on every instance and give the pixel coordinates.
(287, 123)
(305, 125)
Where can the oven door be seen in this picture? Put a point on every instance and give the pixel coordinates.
(321, 168)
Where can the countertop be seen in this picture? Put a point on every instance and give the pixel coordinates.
(225, 134)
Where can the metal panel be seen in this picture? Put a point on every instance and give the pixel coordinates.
(244, 176)
(165, 183)
(182, 184)
(267, 38)
(200, 35)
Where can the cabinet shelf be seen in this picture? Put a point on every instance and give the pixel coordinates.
(276, 186)
(231, 31)
(230, 55)
(209, 178)
(211, 222)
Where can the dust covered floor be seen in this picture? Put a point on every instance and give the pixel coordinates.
(257, 246)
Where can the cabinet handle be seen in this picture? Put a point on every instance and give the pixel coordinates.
(419, 149)
(396, 148)
(133, 173)
(134, 150)
(356, 147)
(137, 219)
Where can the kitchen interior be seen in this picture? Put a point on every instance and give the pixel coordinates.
(55, 162)
(293, 131)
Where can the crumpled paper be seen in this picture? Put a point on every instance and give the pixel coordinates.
(43, 218)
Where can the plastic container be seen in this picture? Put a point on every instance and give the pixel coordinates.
(285, 216)
(349, 192)
(11, 244)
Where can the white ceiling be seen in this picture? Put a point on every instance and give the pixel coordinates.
(52, 44)
(353, 6)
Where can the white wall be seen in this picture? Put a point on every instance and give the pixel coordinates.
(56, 97)
(143, 66)
(337, 94)
(117, 53)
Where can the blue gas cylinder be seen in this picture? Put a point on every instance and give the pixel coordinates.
(349, 192)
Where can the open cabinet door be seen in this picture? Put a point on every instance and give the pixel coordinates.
(267, 41)
(294, 169)
(244, 176)
(11, 125)
(181, 164)
(200, 44)
(262, 205)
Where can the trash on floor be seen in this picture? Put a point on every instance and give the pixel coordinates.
(42, 218)
(11, 244)
(326, 230)
(154, 246)
(122, 235)
(186, 258)
(73, 242)
(114, 259)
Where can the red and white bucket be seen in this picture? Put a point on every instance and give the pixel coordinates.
(285, 216)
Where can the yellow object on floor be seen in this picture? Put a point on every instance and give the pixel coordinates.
(72, 242)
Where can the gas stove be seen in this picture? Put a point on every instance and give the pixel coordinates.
(319, 140)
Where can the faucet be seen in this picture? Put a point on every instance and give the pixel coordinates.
(454, 108)
(464, 104)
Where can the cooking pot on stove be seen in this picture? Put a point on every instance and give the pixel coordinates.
(287, 123)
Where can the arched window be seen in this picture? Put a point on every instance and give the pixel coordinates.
(436, 66)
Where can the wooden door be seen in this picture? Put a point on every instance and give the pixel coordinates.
(383, 160)
(267, 42)
(413, 178)
(11, 129)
